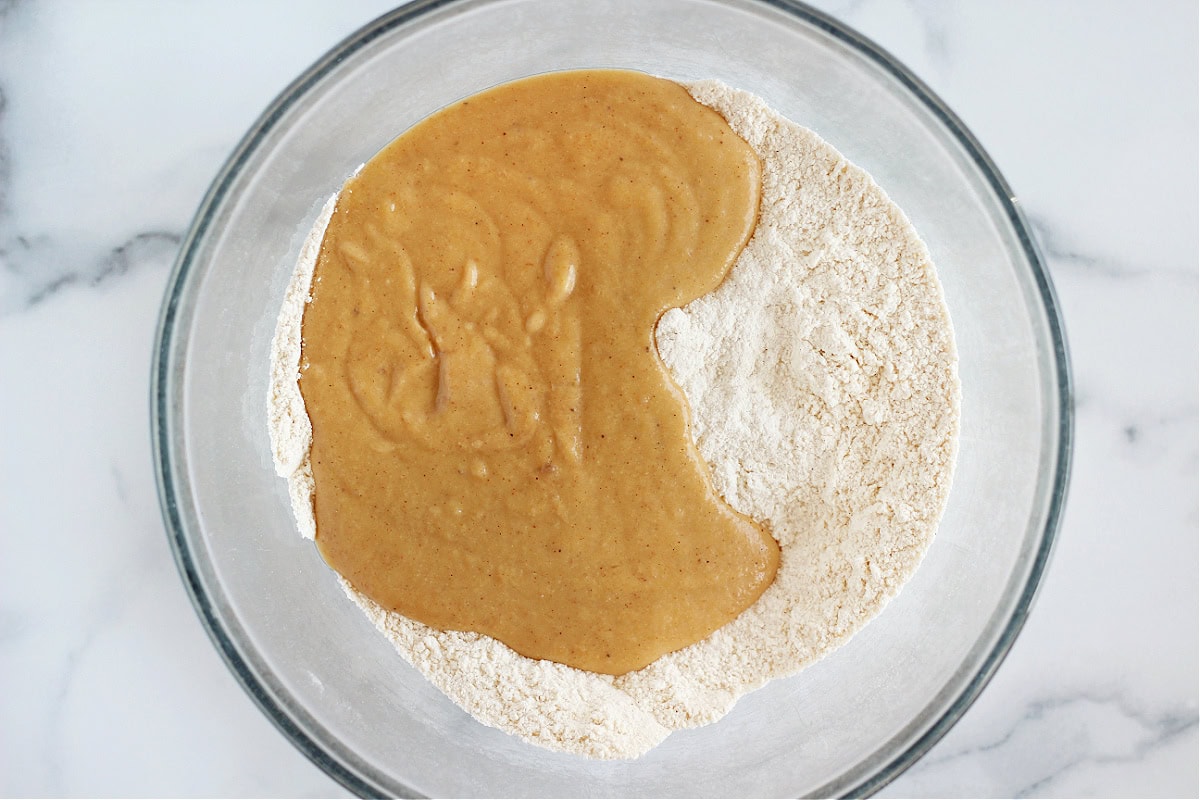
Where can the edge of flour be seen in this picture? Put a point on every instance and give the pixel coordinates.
(570, 710)
(290, 427)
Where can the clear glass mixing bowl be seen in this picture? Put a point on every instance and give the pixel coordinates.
(313, 662)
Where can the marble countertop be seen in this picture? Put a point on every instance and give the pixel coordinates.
(114, 118)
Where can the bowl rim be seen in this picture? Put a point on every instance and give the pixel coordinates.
(172, 491)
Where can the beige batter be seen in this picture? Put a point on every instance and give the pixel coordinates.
(497, 446)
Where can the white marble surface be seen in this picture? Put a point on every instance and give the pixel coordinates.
(115, 116)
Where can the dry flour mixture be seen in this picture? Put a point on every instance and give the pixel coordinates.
(822, 381)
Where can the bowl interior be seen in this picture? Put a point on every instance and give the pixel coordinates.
(312, 659)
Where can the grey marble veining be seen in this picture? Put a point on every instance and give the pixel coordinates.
(1051, 740)
(113, 121)
(39, 270)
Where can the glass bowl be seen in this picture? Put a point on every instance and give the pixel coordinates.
(311, 659)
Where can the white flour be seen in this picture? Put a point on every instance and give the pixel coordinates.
(822, 380)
